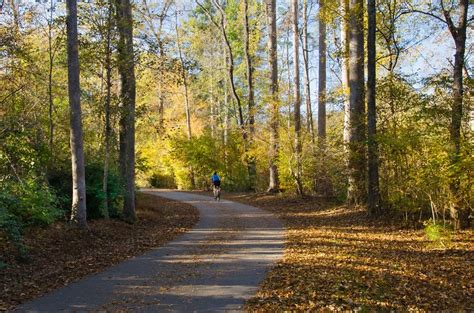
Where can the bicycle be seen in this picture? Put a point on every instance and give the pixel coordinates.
(217, 193)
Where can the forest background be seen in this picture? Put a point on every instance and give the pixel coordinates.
(206, 101)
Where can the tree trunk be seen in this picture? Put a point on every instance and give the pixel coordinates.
(108, 129)
(345, 70)
(230, 55)
(126, 67)
(270, 9)
(185, 81)
(50, 82)
(252, 171)
(161, 97)
(78, 210)
(186, 98)
(459, 214)
(296, 91)
(322, 76)
(373, 195)
(307, 89)
(356, 193)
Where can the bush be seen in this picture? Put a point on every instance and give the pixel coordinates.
(95, 195)
(438, 234)
(157, 180)
(25, 204)
(32, 202)
(61, 181)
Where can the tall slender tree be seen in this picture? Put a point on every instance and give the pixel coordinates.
(306, 77)
(78, 210)
(185, 80)
(108, 93)
(373, 195)
(126, 68)
(357, 168)
(51, 52)
(252, 170)
(297, 97)
(344, 9)
(270, 9)
(186, 94)
(460, 215)
(322, 75)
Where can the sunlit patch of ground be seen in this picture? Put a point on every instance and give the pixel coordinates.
(60, 254)
(336, 258)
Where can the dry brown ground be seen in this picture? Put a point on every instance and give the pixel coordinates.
(60, 254)
(338, 259)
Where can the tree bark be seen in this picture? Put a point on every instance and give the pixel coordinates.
(126, 67)
(356, 193)
(459, 214)
(252, 171)
(322, 76)
(50, 81)
(345, 70)
(297, 96)
(373, 195)
(274, 181)
(185, 82)
(307, 88)
(186, 97)
(78, 210)
(108, 128)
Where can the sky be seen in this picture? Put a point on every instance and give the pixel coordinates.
(430, 47)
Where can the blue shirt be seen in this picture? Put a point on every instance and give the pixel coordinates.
(215, 178)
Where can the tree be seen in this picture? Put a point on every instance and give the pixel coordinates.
(78, 210)
(458, 214)
(108, 90)
(186, 94)
(270, 9)
(322, 75)
(357, 168)
(297, 97)
(344, 5)
(126, 68)
(373, 196)
(307, 87)
(251, 98)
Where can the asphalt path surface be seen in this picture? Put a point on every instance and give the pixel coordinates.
(214, 267)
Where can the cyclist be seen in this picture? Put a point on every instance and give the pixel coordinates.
(216, 183)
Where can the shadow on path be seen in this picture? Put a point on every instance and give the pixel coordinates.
(214, 267)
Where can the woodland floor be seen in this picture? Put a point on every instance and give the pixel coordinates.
(336, 258)
(60, 254)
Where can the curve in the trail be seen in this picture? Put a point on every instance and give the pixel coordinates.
(214, 267)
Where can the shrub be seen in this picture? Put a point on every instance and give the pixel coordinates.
(24, 204)
(61, 181)
(438, 234)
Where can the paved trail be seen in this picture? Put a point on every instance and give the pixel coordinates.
(214, 267)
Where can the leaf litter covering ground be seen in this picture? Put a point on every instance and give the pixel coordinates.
(337, 259)
(60, 254)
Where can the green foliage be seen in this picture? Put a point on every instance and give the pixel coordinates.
(95, 194)
(32, 202)
(416, 171)
(204, 155)
(438, 234)
(24, 204)
(10, 224)
(61, 182)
